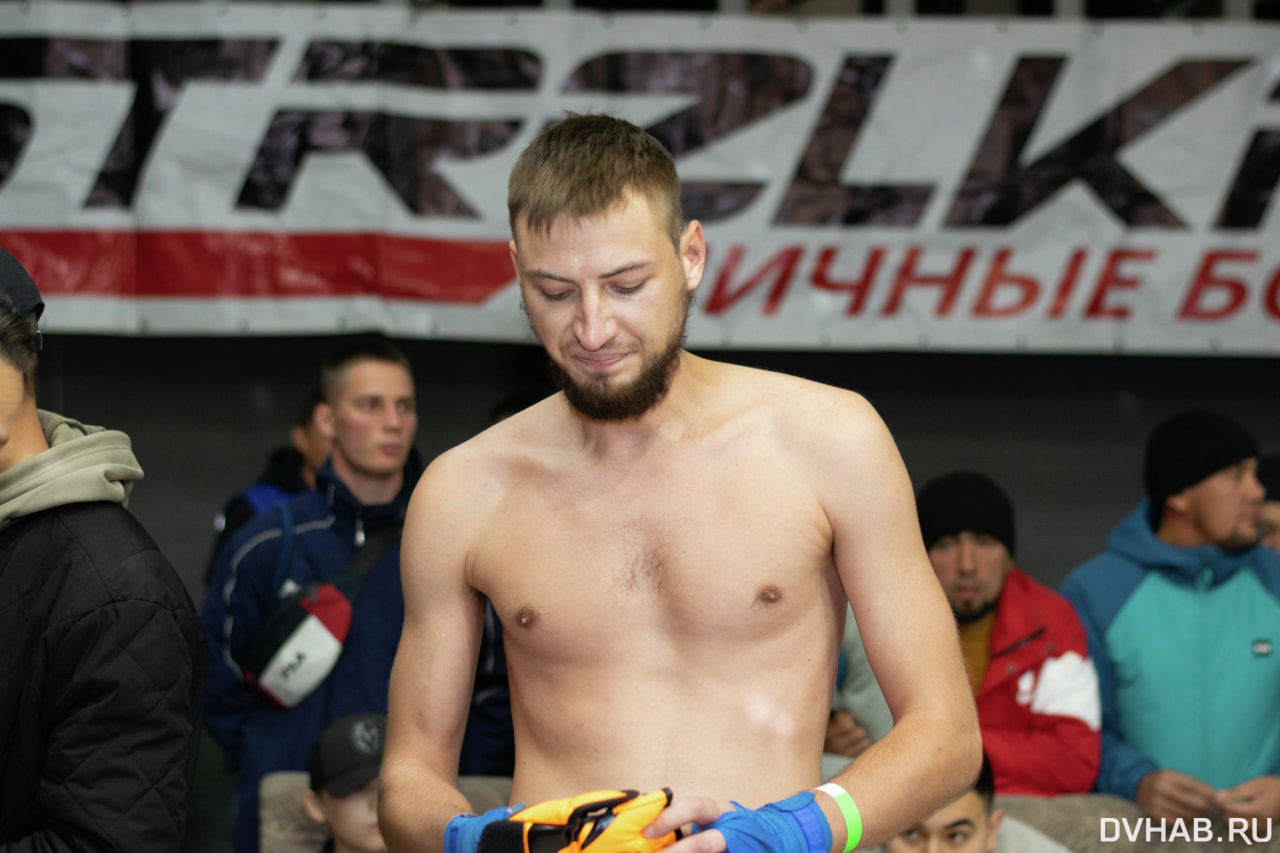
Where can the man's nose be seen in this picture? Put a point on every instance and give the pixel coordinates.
(595, 324)
(1257, 492)
(965, 554)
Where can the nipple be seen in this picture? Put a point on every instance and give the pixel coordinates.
(526, 617)
(769, 594)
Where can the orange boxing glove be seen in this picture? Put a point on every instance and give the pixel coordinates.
(597, 822)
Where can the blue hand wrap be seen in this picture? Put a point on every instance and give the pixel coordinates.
(462, 833)
(787, 826)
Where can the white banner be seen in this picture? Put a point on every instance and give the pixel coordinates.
(864, 183)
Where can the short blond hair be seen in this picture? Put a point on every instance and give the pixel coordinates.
(583, 165)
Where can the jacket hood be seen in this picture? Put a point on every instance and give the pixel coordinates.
(83, 464)
(1134, 540)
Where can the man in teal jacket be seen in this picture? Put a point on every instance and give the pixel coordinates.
(1182, 612)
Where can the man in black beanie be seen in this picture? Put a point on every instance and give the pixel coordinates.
(1028, 658)
(1185, 605)
(1269, 511)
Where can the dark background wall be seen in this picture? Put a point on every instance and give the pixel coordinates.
(1063, 434)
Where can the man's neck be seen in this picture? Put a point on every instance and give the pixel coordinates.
(369, 491)
(664, 421)
(26, 438)
(1179, 532)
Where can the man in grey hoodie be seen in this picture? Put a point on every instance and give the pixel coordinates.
(101, 653)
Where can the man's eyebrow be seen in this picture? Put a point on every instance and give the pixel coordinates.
(614, 273)
(626, 268)
(956, 824)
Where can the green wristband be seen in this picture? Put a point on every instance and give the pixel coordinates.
(848, 808)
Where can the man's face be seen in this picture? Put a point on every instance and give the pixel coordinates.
(1269, 523)
(609, 297)
(313, 444)
(962, 827)
(1223, 508)
(971, 568)
(371, 421)
(353, 819)
(11, 396)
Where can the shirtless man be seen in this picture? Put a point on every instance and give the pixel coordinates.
(669, 543)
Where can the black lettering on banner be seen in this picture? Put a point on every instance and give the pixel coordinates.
(15, 130)
(816, 196)
(39, 58)
(159, 69)
(1255, 182)
(734, 89)
(414, 65)
(999, 190)
(404, 149)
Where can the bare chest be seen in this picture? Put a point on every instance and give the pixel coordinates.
(728, 545)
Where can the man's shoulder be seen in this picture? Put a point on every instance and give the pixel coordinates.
(1037, 595)
(106, 555)
(304, 511)
(1103, 571)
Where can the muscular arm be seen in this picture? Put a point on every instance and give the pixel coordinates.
(931, 754)
(434, 666)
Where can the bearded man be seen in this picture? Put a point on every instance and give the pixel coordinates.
(669, 543)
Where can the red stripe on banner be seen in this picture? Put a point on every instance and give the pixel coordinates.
(269, 265)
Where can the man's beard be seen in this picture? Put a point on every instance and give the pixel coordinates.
(973, 612)
(598, 401)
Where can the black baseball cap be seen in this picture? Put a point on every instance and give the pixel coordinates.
(348, 755)
(17, 287)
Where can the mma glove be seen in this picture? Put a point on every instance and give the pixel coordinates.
(597, 822)
(787, 826)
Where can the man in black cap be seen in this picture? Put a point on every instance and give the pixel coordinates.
(1028, 659)
(345, 764)
(103, 655)
(1183, 616)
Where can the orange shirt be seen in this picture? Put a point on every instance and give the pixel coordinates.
(975, 644)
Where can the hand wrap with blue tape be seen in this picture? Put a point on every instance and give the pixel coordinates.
(788, 826)
(462, 834)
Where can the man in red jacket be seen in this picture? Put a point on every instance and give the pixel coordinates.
(1026, 652)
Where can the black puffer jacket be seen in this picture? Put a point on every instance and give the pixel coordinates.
(101, 669)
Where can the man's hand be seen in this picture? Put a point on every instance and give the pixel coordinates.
(462, 834)
(1258, 797)
(1169, 794)
(793, 825)
(844, 736)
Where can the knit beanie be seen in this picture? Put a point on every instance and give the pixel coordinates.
(1269, 477)
(964, 500)
(1189, 447)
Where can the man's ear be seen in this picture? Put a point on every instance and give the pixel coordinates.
(315, 807)
(324, 420)
(298, 435)
(993, 829)
(693, 253)
(1177, 503)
